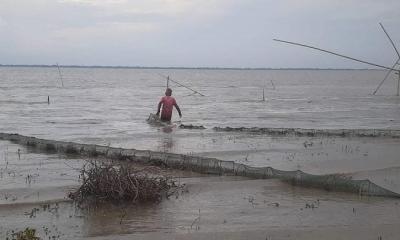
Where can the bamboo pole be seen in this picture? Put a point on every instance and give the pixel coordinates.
(398, 55)
(186, 87)
(390, 39)
(336, 54)
(59, 73)
(357, 60)
(398, 84)
(180, 84)
(386, 76)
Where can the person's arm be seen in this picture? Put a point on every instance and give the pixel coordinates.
(178, 109)
(159, 108)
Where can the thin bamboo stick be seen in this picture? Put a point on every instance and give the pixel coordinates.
(59, 72)
(337, 54)
(180, 84)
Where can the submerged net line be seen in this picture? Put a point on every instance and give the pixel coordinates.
(394, 133)
(331, 182)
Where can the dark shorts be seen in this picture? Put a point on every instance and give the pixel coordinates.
(165, 119)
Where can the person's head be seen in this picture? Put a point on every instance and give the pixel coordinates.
(168, 92)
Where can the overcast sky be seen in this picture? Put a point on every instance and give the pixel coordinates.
(197, 33)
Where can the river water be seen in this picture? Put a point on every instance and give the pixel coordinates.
(107, 102)
(109, 106)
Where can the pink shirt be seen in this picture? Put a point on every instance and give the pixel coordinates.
(168, 103)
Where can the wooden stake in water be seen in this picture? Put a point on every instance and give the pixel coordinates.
(59, 72)
(273, 85)
(48, 99)
(398, 84)
(263, 95)
(167, 81)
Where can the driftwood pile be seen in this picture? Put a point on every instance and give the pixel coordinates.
(115, 182)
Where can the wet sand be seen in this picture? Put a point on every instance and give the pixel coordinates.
(213, 207)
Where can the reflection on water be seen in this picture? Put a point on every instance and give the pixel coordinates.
(235, 204)
(167, 129)
(125, 218)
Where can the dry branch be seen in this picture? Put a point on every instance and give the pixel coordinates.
(108, 181)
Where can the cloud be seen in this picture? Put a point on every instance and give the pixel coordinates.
(2, 22)
(195, 32)
(170, 8)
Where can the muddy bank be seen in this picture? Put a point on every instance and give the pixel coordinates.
(332, 182)
(213, 207)
(315, 132)
(239, 208)
(219, 207)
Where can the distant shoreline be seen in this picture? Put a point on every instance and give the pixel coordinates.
(176, 68)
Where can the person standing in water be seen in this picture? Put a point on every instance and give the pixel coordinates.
(167, 102)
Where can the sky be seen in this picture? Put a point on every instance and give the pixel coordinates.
(197, 33)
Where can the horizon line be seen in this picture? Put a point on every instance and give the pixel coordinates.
(175, 67)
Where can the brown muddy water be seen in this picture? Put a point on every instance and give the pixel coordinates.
(34, 187)
(109, 107)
